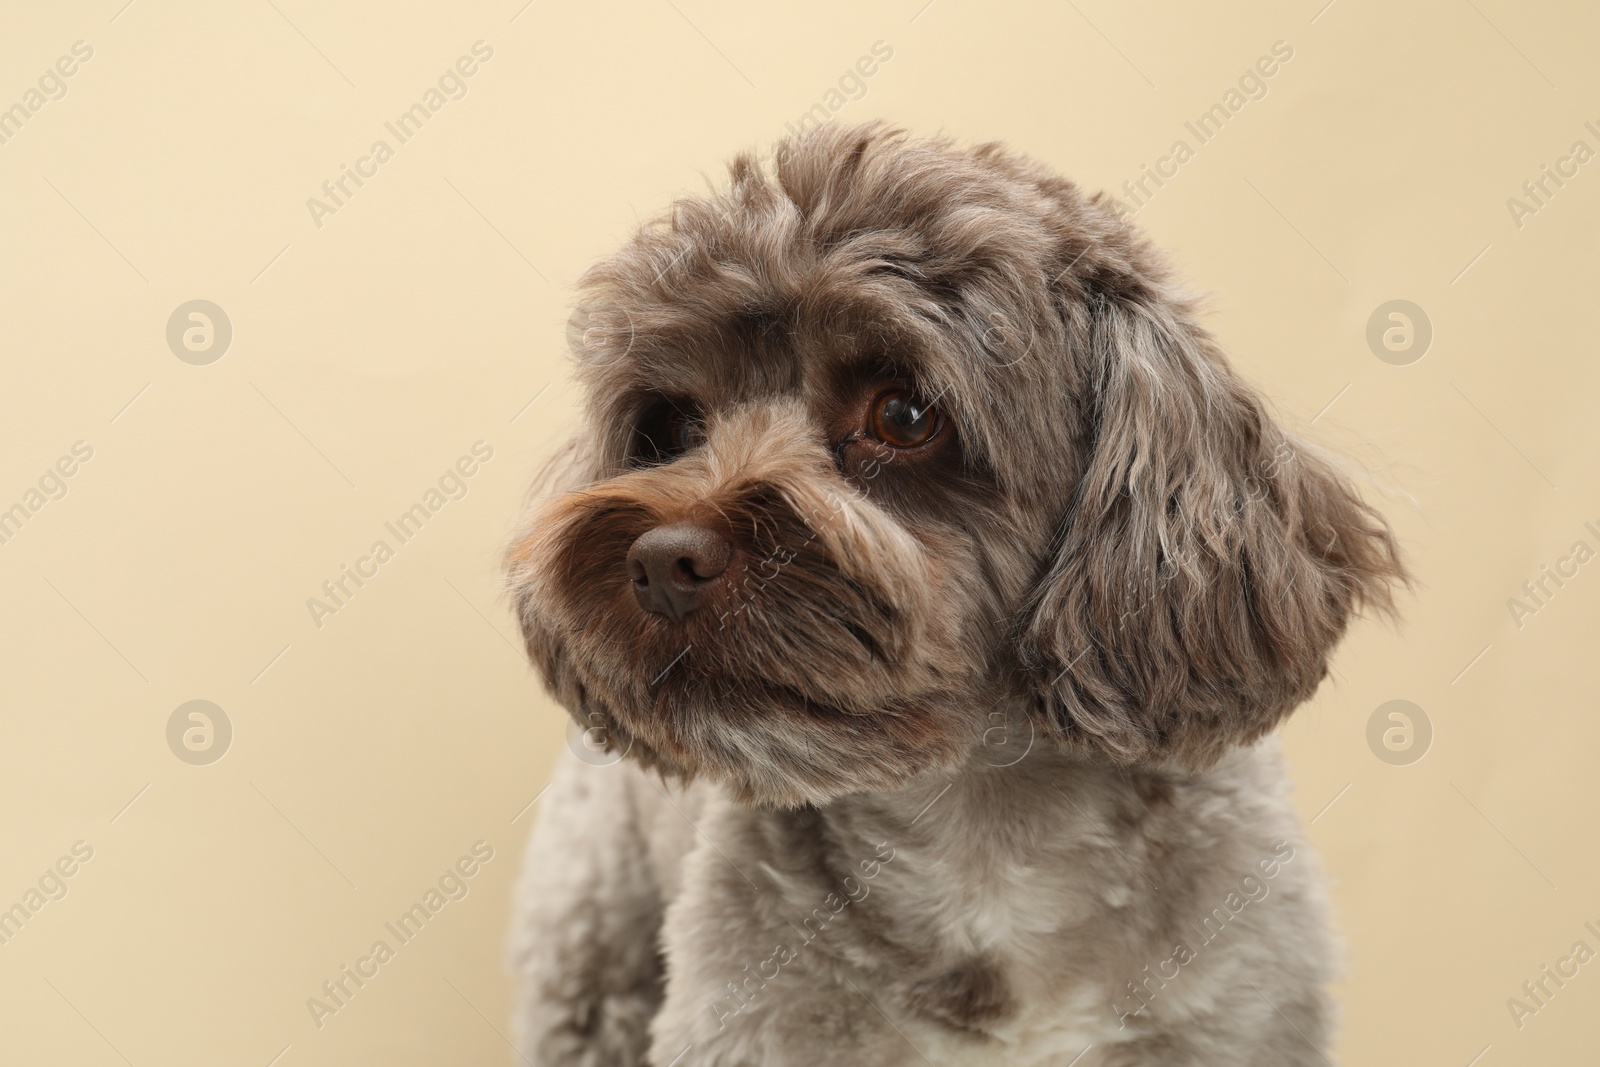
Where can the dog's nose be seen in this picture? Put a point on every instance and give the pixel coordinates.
(672, 566)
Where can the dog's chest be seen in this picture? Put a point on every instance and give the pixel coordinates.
(1056, 1035)
(1003, 956)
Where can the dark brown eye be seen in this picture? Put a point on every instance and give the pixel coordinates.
(666, 431)
(683, 432)
(900, 419)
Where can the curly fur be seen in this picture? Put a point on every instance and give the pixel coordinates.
(1031, 663)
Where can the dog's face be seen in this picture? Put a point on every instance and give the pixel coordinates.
(903, 436)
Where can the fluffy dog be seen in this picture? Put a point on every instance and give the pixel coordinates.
(940, 583)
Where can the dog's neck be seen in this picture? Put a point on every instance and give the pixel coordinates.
(992, 808)
(989, 851)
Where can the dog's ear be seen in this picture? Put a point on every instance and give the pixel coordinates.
(1207, 562)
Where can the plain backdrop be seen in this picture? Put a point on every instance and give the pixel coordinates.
(376, 341)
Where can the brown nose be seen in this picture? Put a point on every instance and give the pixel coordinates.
(672, 566)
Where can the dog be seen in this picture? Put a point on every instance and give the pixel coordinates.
(935, 586)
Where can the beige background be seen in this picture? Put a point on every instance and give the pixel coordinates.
(428, 313)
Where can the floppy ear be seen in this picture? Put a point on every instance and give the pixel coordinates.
(1208, 561)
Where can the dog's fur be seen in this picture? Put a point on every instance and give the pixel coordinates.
(965, 762)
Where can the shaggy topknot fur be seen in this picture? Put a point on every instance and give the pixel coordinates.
(1075, 611)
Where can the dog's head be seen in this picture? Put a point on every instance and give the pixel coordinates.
(902, 434)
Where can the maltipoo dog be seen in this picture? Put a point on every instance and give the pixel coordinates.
(934, 584)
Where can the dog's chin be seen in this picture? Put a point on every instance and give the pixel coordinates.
(767, 742)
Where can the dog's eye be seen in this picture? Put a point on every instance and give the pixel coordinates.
(667, 431)
(899, 418)
(683, 433)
